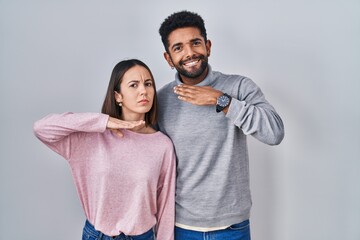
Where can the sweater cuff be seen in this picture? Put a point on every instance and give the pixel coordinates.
(104, 118)
(234, 109)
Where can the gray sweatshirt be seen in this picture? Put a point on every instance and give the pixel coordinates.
(212, 156)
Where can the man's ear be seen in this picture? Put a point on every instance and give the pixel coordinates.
(168, 59)
(208, 47)
(118, 97)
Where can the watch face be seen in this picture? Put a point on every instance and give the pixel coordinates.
(223, 101)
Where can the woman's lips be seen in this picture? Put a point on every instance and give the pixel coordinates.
(143, 101)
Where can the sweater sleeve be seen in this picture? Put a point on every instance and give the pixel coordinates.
(57, 130)
(166, 198)
(254, 115)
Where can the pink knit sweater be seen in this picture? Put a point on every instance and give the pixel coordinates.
(126, 185)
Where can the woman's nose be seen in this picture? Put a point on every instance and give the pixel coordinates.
(142, 89)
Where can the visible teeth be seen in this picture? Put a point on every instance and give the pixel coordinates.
(190, 64)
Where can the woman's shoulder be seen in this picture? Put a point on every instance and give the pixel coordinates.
(165, 140)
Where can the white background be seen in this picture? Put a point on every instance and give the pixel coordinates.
(57, 56)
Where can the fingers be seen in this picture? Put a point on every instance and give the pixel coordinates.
(198, 95)
(131, 124)
(186, 93)
(138, 125)
(183, 90)
(114, 123)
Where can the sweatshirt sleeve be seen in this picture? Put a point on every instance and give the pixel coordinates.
(57, 130)
(254, 115)
(166, 198)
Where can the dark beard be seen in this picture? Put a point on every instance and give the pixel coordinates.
(203, 66)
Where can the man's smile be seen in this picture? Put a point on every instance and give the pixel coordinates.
(191, 62)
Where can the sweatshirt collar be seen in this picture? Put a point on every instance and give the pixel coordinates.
(206, 82)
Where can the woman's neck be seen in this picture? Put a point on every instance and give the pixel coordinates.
(132, 117)
(138, 117)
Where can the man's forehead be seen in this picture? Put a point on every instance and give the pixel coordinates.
(182, 35)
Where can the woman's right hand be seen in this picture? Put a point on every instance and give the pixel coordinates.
(116, 125)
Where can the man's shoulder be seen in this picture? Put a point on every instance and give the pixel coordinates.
(234, 83)
(229, 76)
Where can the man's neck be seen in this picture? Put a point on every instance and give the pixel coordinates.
(194, 81)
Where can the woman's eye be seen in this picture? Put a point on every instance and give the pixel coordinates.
(134, 85)
(148, 84)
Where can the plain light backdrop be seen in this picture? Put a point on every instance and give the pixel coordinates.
(57, 56)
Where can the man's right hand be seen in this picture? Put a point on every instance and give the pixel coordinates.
(116, 125)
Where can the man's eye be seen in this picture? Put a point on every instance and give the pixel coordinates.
(176, 49)
(197, 43)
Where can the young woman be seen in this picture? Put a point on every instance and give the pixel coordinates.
(123, 169)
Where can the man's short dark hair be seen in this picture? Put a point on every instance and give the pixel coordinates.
(180, 20)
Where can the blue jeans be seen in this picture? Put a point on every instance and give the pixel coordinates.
(239, 231)
(89, 233)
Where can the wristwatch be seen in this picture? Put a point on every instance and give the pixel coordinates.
(222, 102)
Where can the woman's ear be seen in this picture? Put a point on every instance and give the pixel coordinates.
(118, 97)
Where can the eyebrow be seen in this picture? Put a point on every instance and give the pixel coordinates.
(137, 81)
(179, 44)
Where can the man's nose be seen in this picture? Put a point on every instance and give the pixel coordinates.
(188, 50)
